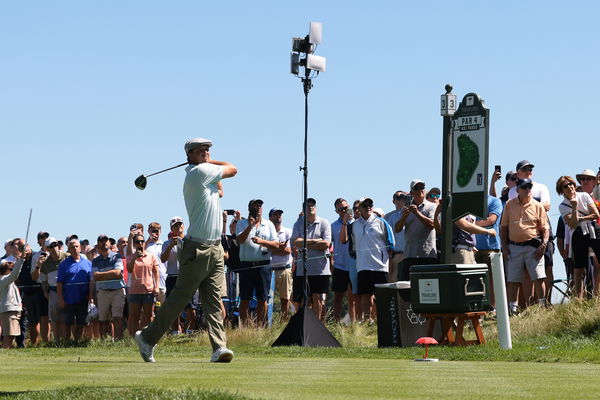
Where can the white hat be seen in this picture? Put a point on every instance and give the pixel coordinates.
(175, 220)
(378, 211)
(50, 241)
(416, 182)
(9, 259)
(586, 172)
(193, 143)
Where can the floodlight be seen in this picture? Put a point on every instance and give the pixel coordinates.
(315, 35)
(295, 63)
(299, 45)
(316, 63)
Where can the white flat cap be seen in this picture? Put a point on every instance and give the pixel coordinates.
(193, 143)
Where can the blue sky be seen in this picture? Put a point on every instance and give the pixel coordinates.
(93, 94)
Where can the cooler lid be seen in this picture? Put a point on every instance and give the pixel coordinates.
(447, 267)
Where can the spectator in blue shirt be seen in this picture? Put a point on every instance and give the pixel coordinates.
(72, 287)
(487, 244)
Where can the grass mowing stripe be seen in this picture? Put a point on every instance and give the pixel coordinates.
(308, 378)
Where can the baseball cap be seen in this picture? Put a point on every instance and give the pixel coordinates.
(43, 234)
(251, 202)
(175, 220)
(379, 211)
(274, 210)
(366, 200)
(524, 163)
(9, 259)
(586, 172)
(196, 142)
(509, 175)
(310, 200)
(50, 241)
(415, 182)
(524, 182)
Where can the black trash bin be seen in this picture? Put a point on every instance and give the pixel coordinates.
(397, 324)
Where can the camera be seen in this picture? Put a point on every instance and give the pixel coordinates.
(408, 199)
(230, 212)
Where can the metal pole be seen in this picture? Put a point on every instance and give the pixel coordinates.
(446, 187)
(307, 86)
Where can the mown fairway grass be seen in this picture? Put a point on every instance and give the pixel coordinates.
(549, 363)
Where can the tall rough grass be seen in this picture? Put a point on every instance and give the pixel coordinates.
(578, 318)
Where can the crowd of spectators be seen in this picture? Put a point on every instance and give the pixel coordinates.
(73, 290)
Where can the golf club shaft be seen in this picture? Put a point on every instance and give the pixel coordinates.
(28, 225)
(168, 169)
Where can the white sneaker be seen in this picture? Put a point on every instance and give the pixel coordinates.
(146, 350)
(222, 354)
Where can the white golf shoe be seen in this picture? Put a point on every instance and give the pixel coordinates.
(222, 354)
(146, 350)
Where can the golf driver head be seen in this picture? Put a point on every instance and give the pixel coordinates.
(140, 182)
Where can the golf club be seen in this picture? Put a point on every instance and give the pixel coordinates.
(141, 181)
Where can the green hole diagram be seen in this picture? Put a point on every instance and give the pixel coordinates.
(468, 154)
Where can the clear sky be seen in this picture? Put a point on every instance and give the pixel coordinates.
(93, 94)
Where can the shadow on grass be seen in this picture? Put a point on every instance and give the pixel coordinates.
(122, 393)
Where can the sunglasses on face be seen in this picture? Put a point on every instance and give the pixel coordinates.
(366, 205)
(527, 169)
(434, 196)
(52, 246)
(154, 231)
(514, 178)
(586, 178)
(139, 241)
(567, 185)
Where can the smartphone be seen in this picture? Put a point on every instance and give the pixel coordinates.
(230, 212)
(498, 168)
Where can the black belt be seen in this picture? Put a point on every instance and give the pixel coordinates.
(531, 242)
(255, 263)
(282, 268)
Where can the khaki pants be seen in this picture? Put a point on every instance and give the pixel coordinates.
(462, 256)
(200, 267)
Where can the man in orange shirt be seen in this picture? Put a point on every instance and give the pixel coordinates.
(524, 234)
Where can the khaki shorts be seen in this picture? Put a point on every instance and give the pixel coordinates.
(110, 302)
(522, 257)
(283, 283)
(9, 323)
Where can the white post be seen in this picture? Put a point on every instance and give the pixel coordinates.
(501, 303)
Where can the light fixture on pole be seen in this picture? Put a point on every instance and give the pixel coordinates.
(305, 328)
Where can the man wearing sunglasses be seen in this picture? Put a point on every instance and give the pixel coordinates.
(201, 264)
(540, 193)
(524, 234)
(374, 243)
(46, 269)
(417, 219)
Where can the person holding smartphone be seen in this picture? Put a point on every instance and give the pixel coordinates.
(257, 237)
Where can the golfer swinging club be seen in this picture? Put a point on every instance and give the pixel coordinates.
(201, 258)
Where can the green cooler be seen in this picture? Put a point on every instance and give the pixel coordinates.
(449, 288)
